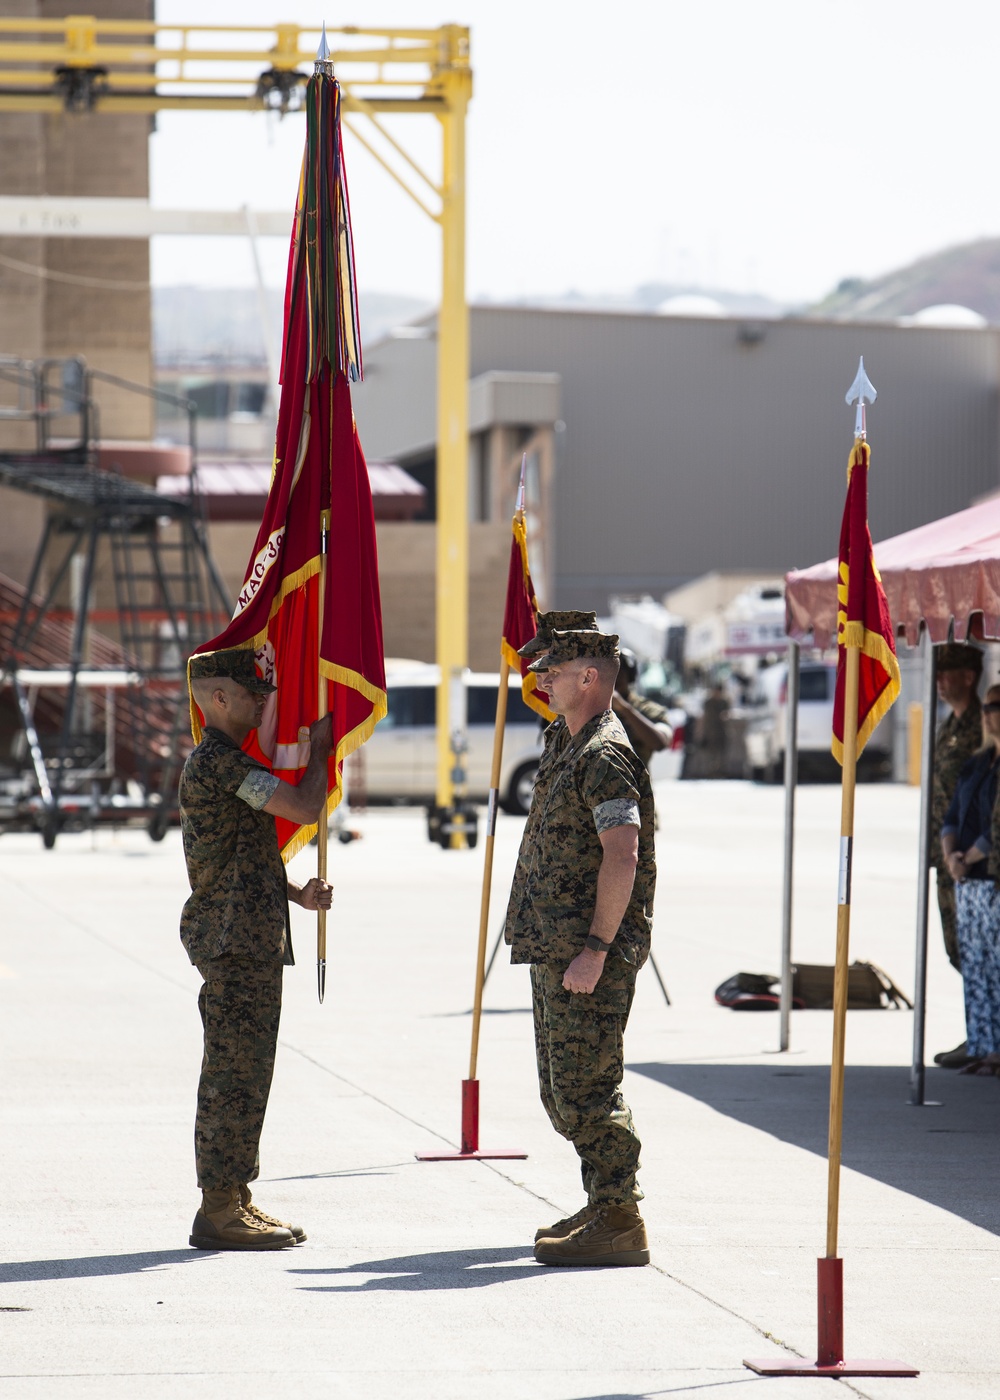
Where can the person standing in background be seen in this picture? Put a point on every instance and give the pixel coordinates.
(959, 735)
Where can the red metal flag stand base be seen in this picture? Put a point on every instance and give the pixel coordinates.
(830, 1352)
(470, 1134)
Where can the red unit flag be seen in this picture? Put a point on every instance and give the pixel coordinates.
(519, 619)
(862, 614)
(314, 624)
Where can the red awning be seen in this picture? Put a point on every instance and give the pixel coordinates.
(940, 574)
(234, 491)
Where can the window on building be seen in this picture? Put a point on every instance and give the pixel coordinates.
(249, 398)
(424, 470)
(479, 478)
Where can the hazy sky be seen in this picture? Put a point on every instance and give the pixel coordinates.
(774, 146)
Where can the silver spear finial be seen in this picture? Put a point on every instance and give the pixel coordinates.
(324, 63)
(860, 390)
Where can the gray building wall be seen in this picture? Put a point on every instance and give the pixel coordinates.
(690, 445)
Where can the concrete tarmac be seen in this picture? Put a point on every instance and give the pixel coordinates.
(418, 1279)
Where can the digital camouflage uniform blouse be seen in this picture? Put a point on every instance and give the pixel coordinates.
(650, 710)
(587, 783)
(239, 902)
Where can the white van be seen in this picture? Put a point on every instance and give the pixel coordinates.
(767, 708)
(399, 761)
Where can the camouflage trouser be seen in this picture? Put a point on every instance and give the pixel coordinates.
(978, 904)
(578, 1044)
(946, 905)
(240, 1004)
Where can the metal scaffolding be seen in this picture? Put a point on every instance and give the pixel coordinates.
(100, 692)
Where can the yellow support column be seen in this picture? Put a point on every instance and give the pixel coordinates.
(452, 612)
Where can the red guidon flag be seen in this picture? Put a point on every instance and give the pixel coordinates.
(862, 614)
(314, 624)
(519, 618)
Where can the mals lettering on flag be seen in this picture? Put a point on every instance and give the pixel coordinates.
(264, 560)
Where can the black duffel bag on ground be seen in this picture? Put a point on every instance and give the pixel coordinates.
(868, 989)
(750, 991)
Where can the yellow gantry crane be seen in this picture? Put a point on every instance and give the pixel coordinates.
(84, 64)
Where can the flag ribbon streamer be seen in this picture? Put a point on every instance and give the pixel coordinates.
(321, 272)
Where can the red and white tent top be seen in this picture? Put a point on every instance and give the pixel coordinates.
(941, 575)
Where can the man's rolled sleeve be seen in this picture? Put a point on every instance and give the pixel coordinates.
(617, 811)
(612, 795)
(258, 787)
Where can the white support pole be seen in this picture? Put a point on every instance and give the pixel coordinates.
(791, 779)
(917, 1099)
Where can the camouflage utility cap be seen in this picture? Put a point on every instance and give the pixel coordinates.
(237, 665)
(549, 622)
(959, 656)
(577, 645)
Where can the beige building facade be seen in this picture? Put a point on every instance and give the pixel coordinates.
(79, 296)
(68, 297)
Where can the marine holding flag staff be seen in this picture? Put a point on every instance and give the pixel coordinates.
(580, 912)
(234, 927)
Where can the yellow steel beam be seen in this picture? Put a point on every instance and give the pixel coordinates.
(452, 611)
(204, 102)
(361, 104)
(143, 26)
(391, 171)
(83, 41)
(97, 55)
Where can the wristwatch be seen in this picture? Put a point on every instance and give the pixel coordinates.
(597, 944)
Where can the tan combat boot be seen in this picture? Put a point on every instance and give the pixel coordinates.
(246, 1200)
(562, 1228)
(222, 1223)
(613, 1235)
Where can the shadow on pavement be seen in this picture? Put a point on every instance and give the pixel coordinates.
(487, 1011)
(447, 1269)
(946, 1155)
(96, 1266)
(355, 1171)
(674, 1390)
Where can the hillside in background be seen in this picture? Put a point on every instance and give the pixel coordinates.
(203, 325)
(199, 325)
(965, 276)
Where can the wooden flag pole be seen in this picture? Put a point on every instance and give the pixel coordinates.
(491, 828)
(830, 1269)
(471, 1150)
(322, 829)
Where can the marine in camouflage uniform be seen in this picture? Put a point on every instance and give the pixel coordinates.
(957, 738)
(234, 928)
(646, 723)
(589, 782)
(650, 710)
(547, 623)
